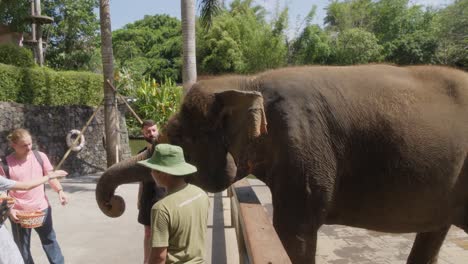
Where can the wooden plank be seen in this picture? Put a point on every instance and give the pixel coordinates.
(261, 240)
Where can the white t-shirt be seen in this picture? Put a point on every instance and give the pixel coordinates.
(9, 253)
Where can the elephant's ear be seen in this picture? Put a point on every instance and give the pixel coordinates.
(244, 113)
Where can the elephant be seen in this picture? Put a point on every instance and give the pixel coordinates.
(378, 147)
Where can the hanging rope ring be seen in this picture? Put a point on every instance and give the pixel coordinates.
(71, 136)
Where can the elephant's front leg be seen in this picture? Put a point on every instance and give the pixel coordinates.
(426, 247)
(298, 233)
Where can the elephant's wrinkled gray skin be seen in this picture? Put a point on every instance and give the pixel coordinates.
(376, 147)
(126, 171)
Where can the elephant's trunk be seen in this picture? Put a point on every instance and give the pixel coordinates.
(126, 171)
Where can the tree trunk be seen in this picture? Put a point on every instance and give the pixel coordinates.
(110, 107)
(189, 66)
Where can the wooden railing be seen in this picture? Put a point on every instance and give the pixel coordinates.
(257, 239)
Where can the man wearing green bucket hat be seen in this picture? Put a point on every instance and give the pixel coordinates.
(179, 220)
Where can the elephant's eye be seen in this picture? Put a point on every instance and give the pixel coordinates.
(191, 139)
(188, 140)
(225, 141)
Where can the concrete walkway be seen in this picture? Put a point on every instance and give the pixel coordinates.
(86, 235)
(344, 245)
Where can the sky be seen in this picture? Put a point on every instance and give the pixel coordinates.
(124, 11)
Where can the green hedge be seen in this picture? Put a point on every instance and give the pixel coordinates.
(14, 55)
(43, 86)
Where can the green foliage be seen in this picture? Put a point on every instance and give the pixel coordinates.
(220, 52)
(407, 33)
(209, 9)
(392, 19)
(17, 56)
(150, 48)
(415, 48)
(312, 47)
(154, 101)
(43, 86)
(357, 46)
(349, 14)
(73, 36)
(453, 35)
(241, 41)
(14, 13)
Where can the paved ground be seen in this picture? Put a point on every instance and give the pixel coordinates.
(88, 236)
(343, 245)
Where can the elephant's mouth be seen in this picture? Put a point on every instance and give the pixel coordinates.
(215, 179)
(232, 170)
(243, 168)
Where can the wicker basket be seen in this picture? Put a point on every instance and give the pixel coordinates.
(10, 200)
(30, 219)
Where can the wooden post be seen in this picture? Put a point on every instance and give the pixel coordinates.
(40, 52)
(123, 100)
(110, 111)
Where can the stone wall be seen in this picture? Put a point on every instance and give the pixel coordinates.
(49, 127)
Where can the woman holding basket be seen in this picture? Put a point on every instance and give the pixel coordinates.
(9, 253)
(24, 164)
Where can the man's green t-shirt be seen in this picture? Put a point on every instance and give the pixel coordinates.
(179, 223)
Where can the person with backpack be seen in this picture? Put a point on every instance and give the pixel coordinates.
(9, 253)
(24, 164)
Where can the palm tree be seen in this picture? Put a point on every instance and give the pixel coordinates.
(209, 8)
(189, 64)
(110, 108)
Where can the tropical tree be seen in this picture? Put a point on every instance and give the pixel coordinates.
(418, 47)
(14, 13)
(189, 60)
(219, 49)
(241, 41)
(453, 35)
(357, 46)
(189, 64)
(406, 32)
(348, 14)
(313, 46)
(110, 109)
(73, 36)
(150, 48)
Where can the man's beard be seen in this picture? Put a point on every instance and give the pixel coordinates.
(151, 140)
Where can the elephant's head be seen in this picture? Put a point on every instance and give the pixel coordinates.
(215, 126)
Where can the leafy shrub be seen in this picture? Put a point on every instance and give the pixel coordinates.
(17, 56)
(357, 46)
(43, 86)
(154, 101)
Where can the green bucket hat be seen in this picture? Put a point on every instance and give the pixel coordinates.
(169, 159)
